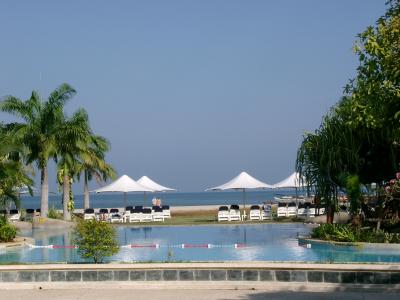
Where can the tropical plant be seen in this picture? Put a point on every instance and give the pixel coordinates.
(96, 240)
(39, 130)
(360, 136)
(70, 143)
(14, 175)
(352, 234)
(92, 163)
(8, 231)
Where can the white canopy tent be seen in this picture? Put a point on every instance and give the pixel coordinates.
(242, 182)
(293, 181)
(149, 183)
(124, 184)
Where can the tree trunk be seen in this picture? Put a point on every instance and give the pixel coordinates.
(330, 214)
(44, 197)
(86, 191)
(66, 189)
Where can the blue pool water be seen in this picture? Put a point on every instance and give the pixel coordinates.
(262, 242)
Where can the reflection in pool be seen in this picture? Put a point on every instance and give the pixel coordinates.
(261, 242)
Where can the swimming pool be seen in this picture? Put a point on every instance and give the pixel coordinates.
(256, 242)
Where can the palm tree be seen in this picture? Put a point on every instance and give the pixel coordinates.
(38, 132)
(13, 173)
(93, 164)
(71, 141)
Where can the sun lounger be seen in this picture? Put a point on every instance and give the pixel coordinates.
(320, 210)
(147, 216)
(115, 216)
(158, 214)
(255, 214)
(29, 214)
(311, 211)
(166, 211)
(103, 214)
(14, 215)
(89, 214)
(282, 209)
(223, 214)
(292, 209)
(127, 213)
(234, 213)
(135, 215)
(266, 213)
(302, 210)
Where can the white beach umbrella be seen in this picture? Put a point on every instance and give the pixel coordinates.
(147, 182)
(242, 182)
(293, 181)
(124, 184)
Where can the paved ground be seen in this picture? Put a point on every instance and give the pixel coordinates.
(123, 294)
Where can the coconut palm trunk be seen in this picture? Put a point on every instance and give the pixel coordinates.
(66, 190)
(86, 203)
(44, 197)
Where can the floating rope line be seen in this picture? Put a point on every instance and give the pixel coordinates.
(150, 246)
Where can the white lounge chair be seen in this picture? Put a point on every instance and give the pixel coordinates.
(14, 215)
(311, 211)
(29, 214)
(103, 214)
(127, 213)
(266, 213)
(115, 216)
(302, 210)
(146, 215)
(89, 214)
(158, 214)
(292, 209)
(234, 213)
(255, 214)
(223, 214)
(282, 210)
(166, 211)
(136, 215)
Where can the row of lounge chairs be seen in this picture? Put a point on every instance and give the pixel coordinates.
(13, 215)
(130, 214)
(233, 213)
(306, 209)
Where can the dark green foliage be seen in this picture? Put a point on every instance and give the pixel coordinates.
(360, 136)
(7, 231)
(349, 233)
(54, 214)
(354, 192)
(96, 240)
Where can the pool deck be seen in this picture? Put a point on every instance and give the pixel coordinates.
(210, 265)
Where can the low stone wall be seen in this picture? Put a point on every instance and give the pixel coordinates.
(200, 272)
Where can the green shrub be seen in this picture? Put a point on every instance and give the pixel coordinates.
(348, 233)
(96, 240)
(8, 232)
(54, 214)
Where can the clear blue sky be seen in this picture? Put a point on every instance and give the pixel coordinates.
(189, 92)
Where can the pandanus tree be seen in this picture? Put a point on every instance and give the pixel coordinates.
(39, 129)
(71, 141)
(93, 165)
(326, 156)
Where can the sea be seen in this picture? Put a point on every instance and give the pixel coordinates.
(109, 200)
